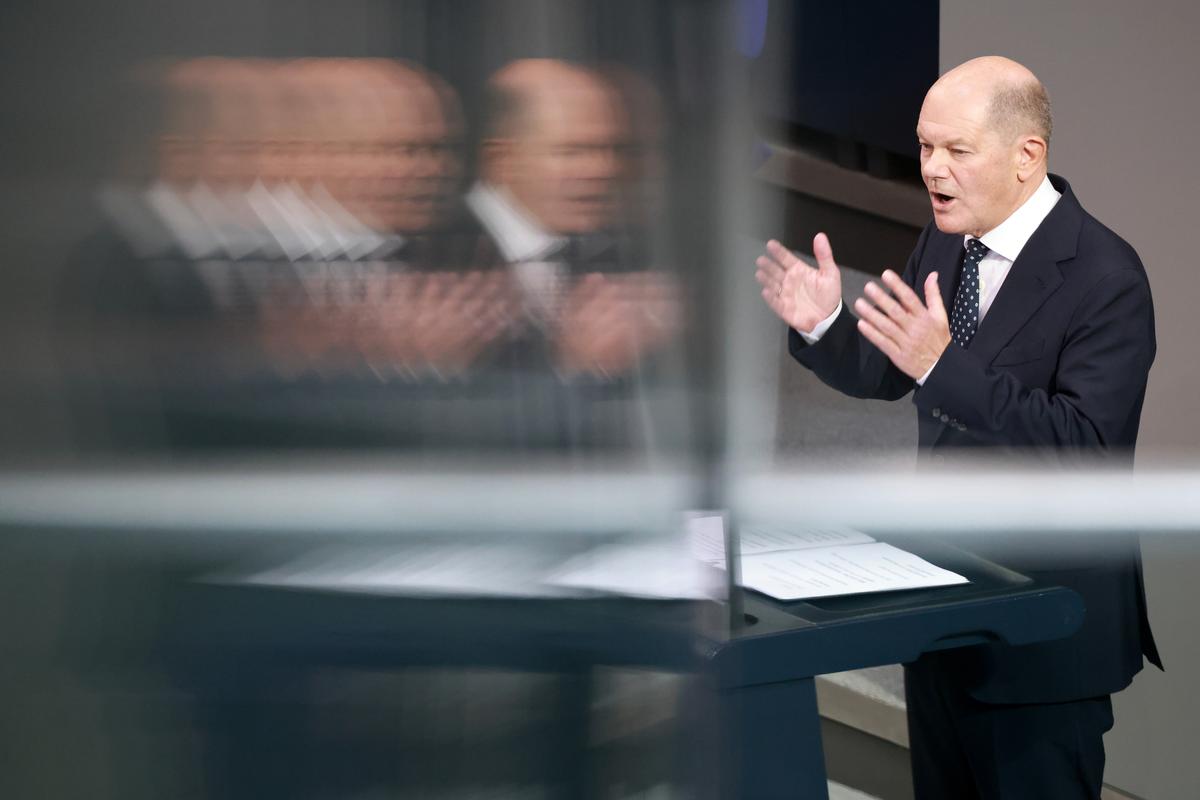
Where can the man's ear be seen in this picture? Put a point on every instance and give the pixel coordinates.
(1031, 156)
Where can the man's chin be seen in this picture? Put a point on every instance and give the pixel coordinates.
(947, 224)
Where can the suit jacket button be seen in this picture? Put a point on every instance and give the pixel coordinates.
(945, 417)
(937, 412)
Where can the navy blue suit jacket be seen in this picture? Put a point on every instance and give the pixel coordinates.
(1057, 370)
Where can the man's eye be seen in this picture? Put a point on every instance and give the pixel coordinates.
(958, 151)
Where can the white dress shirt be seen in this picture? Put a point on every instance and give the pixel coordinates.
(531, 250)
(1004, 243)
(517, 234)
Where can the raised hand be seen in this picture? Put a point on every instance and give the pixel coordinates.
(798, 294)
(609, 322)
(910, 333)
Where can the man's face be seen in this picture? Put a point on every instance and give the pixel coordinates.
(969, 169)
(395, 165)
(565, 167)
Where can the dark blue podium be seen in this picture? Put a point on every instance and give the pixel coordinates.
(758, 734)
(763, 673)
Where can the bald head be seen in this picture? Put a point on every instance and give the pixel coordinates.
(524, 93)
(1016, 101)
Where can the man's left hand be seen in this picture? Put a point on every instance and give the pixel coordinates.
(910, 333)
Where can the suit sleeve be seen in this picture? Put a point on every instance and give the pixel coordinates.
(1096, 396)
(845, 360)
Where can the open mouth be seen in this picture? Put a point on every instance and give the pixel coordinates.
(941, 201)
(590, 202)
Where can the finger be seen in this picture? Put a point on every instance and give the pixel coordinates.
(933, 297)
(824, 253)
(429, 289)
(885, 302)
(877, 319)
(902, 292)
(768, 282)
(773, 298)
(873, 335)
(782, 254)
(770, 268)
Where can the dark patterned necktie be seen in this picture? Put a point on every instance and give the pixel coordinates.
(964, 319)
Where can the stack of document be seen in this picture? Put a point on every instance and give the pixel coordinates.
(800, 563)
(656, 568)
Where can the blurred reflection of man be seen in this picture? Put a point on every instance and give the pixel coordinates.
(552, 166)
(287, 267)
(549, 168)
(1020, 323)
(552, 162)
(362, 181)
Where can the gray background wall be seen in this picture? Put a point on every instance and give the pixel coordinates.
(1123, 84)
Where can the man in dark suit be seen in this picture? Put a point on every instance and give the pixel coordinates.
(1021, 325)
(592, 338)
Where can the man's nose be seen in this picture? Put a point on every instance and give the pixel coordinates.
(934, 166)
(601, 163)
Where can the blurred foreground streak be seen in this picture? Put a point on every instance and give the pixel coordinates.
(288, 271)
(229, 632)
(300, 270)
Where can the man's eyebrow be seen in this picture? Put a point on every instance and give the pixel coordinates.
(956, 142)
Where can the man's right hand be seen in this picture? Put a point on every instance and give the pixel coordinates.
(800, 295)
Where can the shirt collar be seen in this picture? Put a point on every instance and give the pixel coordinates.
(517, 234)
(187, 230)
(1009, 237)
(355, 237)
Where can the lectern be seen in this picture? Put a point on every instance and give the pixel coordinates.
(768, 729)
(166, 541)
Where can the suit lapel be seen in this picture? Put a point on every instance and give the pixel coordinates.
(1034, 276)
(945, 258)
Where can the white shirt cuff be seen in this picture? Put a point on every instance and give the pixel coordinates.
(822, 326)
(921, 380)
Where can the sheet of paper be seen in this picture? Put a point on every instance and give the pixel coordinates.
(706, 538)
(656, 570)
(830, 571)
(653, 569)
(437, 570)
(769, 538)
